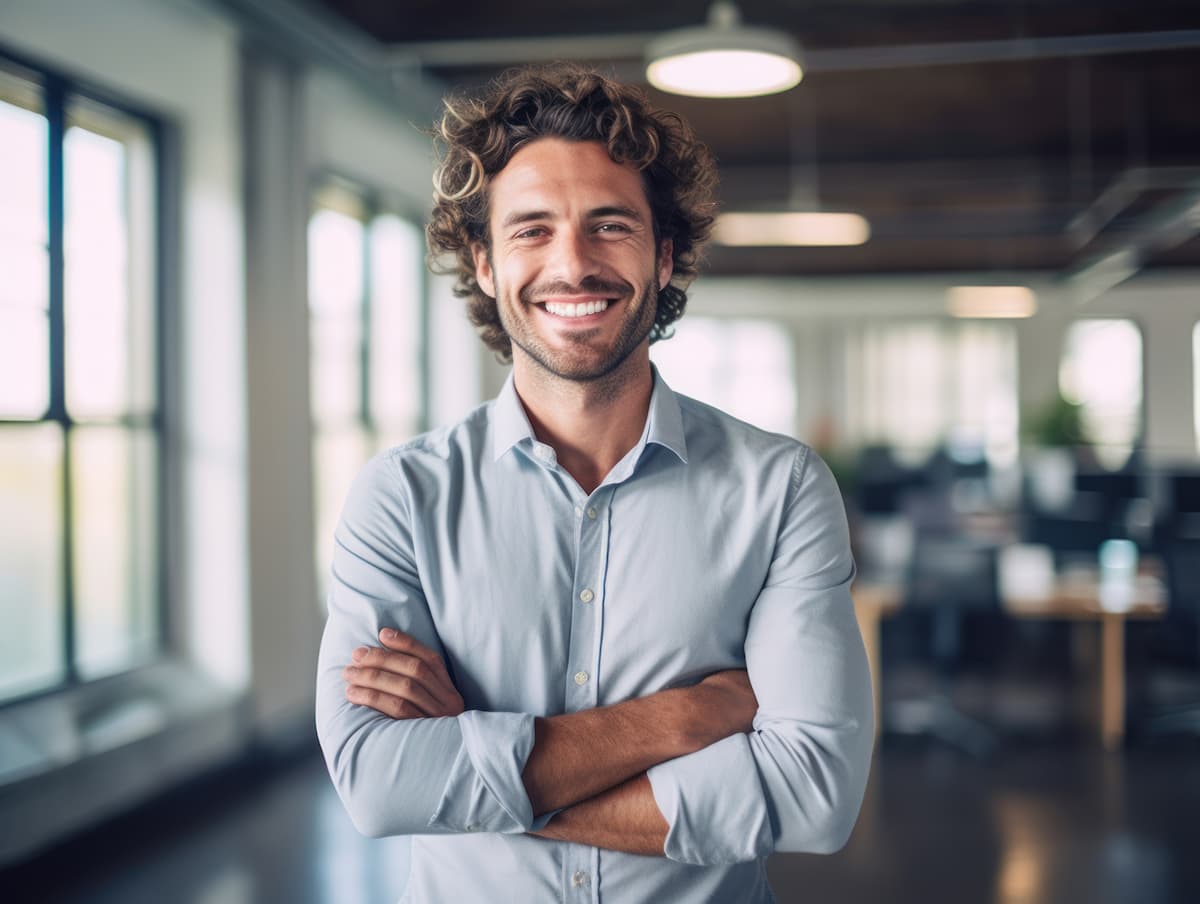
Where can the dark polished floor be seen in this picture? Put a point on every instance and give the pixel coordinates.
(1057, 823)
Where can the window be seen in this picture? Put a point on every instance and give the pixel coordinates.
(744, 367)
(1101, 370)
(79, 406)
(366, 291)
(915, 386)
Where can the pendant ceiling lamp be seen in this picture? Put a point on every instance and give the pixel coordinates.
(724, 58)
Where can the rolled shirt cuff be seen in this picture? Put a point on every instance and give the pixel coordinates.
(484, 792)
(713, 803)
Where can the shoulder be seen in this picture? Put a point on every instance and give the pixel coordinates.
(716, 434)
(711, 429)
(427, 461)
(442, 446)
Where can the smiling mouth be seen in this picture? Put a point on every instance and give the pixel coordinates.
(569, 310)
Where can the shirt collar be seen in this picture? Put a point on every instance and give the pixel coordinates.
(510, 424)
(664, 421)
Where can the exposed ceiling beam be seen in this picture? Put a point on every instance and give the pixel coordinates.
(632, 46)
(307, 33)
(1169, 225)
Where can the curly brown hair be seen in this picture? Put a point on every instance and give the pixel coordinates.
(477, 136)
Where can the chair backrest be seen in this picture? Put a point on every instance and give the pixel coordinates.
(952, 572)
(1181, 558)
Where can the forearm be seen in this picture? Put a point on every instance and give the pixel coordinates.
(624, 818)
(578, 755)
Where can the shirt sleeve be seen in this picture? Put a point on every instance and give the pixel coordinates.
(415, 776)
(795, 783)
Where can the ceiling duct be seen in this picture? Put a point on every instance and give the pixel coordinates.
(1133, 240)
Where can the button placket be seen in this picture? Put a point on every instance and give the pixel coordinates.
(581, 686)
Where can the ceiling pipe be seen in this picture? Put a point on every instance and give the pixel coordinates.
(1169, 225)
(632, 45)
(306, 33)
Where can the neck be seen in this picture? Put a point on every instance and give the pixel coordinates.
(591, 424)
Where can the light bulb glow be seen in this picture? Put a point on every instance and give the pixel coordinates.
(724, 73)
(768, 229)
(991, 301)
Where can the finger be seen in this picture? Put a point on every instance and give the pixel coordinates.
(392, 707)
(409, 645)
(419, 670)
(394, 685)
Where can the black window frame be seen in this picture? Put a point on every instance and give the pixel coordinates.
(57, 90)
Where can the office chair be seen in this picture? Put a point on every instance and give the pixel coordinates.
(949, 577)
(1181, 558)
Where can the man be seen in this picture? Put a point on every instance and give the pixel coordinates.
(595, 642)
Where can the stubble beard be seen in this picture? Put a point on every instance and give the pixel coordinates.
(582, 368)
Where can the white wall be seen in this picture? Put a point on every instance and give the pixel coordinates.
(1166, 307)
(179, 61)
(362, 138)
(244, 619)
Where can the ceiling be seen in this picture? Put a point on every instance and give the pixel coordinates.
(974, 135)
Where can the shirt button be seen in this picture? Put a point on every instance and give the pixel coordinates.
(581, 678)
(592, 513)
(580, 879)
(586, 595)
(579, 511)
(545, 453)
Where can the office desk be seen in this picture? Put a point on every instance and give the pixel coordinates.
(1075, 601)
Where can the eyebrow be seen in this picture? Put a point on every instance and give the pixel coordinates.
(524, 216)
(615, 210)
(518, 217)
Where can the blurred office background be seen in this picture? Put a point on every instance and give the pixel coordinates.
(214, 307)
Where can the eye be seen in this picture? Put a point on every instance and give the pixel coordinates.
(613, 228)
(533, 232)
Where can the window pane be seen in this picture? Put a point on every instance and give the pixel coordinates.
(24, 260)
(24, 363)
(335, 286)
(1101, 370)
(920, 385)
(397, 281)
(31, 567)
(23, 178)
(335, 263)
(115, 551)
(743, 367)
(455, 369)
(109, 309)
(337, 346)
(985, 386)
(338, 457)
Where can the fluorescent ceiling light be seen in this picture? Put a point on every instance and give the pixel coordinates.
(991, 301)
(791, 229)
(724, 58)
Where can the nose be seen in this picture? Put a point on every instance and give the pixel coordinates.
(574, 257)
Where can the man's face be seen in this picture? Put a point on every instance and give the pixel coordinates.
(573, 266)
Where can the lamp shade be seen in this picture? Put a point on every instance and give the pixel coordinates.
(723, 58)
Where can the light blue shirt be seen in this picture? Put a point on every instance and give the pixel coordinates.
(711, 545)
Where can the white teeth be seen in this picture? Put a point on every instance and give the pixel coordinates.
(576, 310)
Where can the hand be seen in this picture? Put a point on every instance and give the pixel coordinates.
(404, 679)
(723, 704)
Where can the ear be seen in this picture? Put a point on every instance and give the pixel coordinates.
(666, 265)
(483, 269)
